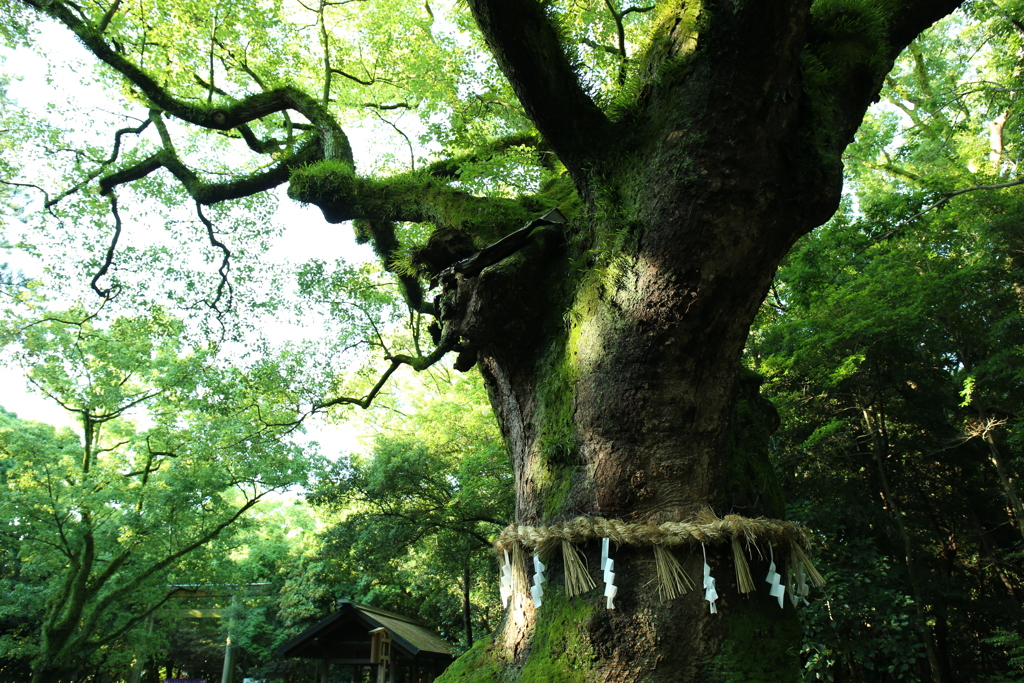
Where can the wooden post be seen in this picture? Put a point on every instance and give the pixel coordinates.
(380, 653)
(228, 673)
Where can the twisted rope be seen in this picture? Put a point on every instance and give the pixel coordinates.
(705, 529)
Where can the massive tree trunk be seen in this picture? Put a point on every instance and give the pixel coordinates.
(612, 357)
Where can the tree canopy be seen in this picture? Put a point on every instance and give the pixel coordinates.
(416, 519)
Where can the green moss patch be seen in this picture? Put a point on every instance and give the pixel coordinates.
(560, 652)
(479, 665)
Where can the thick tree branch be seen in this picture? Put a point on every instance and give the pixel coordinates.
(413, 197)
(904, 22)
(529, 51)
(910, 18)
(503, 248)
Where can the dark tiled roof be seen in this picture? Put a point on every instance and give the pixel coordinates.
(408, 634)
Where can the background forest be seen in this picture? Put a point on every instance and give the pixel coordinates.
(891, 346)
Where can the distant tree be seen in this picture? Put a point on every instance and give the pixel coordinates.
(417, 515)
(169, 454)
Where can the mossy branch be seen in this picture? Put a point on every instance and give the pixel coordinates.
(449, 168)
(850, 47)
(416, 197)
(364, 402)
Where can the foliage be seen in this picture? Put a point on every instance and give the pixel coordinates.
(892, 342)
(690, 144)
(169, 455)
(416, 517)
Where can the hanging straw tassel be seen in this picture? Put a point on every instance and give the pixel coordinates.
(797, 580)
(577, 578)
(672, 580)
(792, 580)
(805, 561)
(519, 580)
(744, 581)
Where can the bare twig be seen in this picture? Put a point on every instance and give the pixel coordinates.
(92, 175)
(225, 263)
(109, 259)
(34, 187)
(412, 155)
(360, 81)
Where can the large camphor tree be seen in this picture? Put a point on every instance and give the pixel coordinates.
(688, 145)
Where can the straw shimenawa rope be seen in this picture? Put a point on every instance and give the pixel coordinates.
(706, 528)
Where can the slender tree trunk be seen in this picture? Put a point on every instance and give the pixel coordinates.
(1009, 488)
(875, 425)
(467, 620)
(991, 560)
